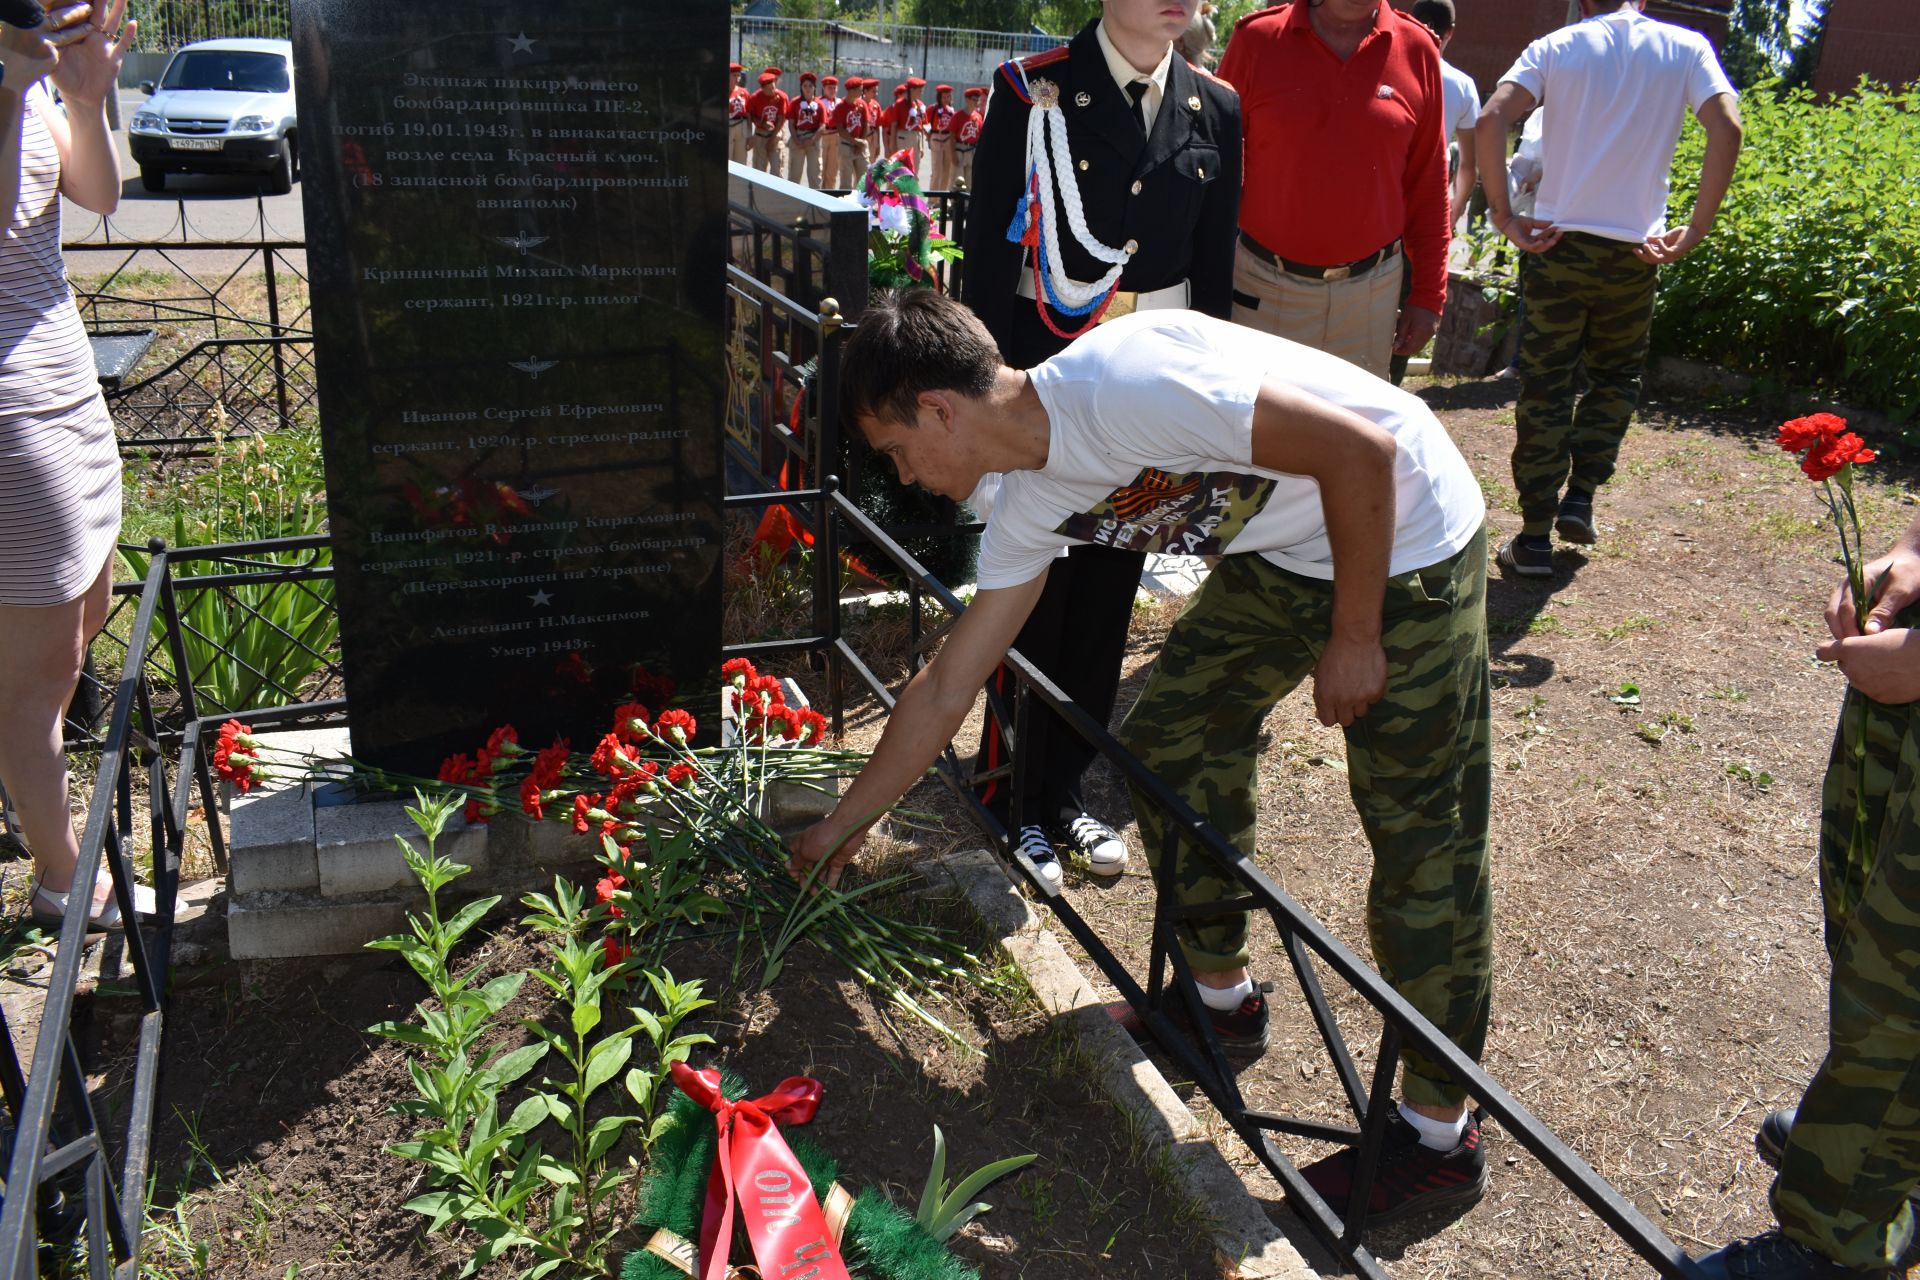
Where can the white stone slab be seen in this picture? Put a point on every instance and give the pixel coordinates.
(1173, 575)
(356, 853)
(270, 929)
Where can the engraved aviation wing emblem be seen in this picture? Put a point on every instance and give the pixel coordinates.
(538, 494)
(532, 366)
(521, 242)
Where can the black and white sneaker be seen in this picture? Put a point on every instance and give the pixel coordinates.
(1098, 843)
(1528, 557)
(1575, 521)
(1032, 841)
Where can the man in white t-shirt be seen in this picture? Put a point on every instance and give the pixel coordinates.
(1353, 551)
(1460, 105)
(1617, 86)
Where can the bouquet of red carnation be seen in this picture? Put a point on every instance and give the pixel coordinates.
(1828, 454)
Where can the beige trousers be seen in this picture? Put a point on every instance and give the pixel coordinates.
(770, 153)
(740, 143)
(803, 162)
(854, 160)
(1353, 319)
(829, 160)
(942, 148)
(963, 165)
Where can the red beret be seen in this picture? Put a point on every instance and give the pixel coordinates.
(976, 93)
(768, 77)
(807, 77)
(943, 88)
(829, 79)
(734, 66)
(915, 82)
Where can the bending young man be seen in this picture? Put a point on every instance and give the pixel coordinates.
(1355, 553)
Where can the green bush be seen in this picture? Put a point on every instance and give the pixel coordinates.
(1812, 274)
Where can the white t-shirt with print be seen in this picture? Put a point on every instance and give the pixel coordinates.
(1620, 85)
(1150, 447)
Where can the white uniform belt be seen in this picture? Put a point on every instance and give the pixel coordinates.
(1175, 297)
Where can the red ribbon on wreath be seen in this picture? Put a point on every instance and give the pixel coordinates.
(755, 1170)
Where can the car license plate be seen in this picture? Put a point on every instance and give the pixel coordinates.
(198, 144)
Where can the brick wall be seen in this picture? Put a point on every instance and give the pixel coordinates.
(1878, 38)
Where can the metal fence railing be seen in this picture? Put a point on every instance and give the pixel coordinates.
(168, 24)
(221, 327)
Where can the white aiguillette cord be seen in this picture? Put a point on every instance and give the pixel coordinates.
(1047, 123)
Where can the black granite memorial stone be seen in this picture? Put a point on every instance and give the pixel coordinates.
(516, 240)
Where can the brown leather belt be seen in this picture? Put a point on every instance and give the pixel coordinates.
(1346, 271)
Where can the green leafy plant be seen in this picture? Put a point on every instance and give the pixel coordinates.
(492, 1174)
(944, 1211)
(1812, 267)
(1627, 695)
(1759, 779)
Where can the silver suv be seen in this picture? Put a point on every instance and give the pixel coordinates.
(222, 106)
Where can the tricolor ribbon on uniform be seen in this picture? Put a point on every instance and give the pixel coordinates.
(756, 1173)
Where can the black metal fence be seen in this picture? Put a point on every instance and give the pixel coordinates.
(215, 333)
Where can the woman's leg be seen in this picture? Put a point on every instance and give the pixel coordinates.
(41, 652)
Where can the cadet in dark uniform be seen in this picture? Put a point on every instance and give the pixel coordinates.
(1156, 169)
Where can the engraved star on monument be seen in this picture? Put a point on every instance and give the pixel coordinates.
(532, 366)
(522, 43)
(540, 599)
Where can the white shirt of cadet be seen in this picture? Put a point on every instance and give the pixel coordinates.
(1459, 99)
(1150, 448)
(1619, 85)
(1124, 73)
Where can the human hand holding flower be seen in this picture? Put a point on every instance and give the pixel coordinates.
(1884, 665)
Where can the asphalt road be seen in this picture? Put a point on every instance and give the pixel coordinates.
(196, 207)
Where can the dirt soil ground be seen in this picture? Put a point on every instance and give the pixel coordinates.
(274, 1121)
(1660, 978)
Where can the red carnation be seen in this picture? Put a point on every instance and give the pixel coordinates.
(1800, 434)
(505, 741)
(456, 769)
(814, 725)
(583, 807)
(1834, 452)
(630, 722)
(616, 952)
(766, 691)
(607, 886)
(530, 802)
(682, 775)
(737, 672)
(612, 758)
(551, 763)
(675, 726)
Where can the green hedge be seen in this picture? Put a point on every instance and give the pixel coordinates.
(1811, 277)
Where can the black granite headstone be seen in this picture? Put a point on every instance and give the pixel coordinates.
(516, 241)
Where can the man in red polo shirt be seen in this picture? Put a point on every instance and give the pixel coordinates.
(1345, 193)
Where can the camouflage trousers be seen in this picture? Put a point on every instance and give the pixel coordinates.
(1589, 303)
(1854, 1157)
(1418, 763)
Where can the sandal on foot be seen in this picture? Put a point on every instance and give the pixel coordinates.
(49, 906)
